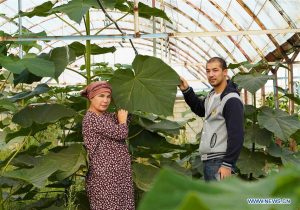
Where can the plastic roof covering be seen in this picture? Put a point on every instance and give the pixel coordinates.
(187, 55)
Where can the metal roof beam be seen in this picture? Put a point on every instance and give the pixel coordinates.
(258, 21)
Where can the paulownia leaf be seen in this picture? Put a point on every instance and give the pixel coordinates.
(27, 45)
(61, 57)
(287, 157)
(150, 88)
(279, 122)
(26, 77)
(251, 81)
(37, 66)
(40, 10)
(290, 96)
(296, 136)
(143, 175)
(163, 126)
(41, 114)
(65, 162)
(148, 12)
(75, 9)
(32, 130)
(253, 162)
(40, 88)
(145, 11)
(7, 105)
(95, 49)
(171, 191)
(143, 142)
(258, 135)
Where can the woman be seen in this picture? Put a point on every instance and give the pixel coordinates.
(109, 182)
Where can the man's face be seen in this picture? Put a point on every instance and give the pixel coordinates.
(215, 74)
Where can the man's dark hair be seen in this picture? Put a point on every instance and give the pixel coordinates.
(220, 60)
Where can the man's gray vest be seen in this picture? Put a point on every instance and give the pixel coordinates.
(213, 143)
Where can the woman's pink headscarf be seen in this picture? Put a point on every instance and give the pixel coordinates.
(96, 88)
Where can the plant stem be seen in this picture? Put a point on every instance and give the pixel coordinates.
(130, 137)
(88, 53)
(88, 49)
(69, 24)
(24, 141)
(3, 84)
(76, 72)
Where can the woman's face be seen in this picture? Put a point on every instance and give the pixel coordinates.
(100, 102)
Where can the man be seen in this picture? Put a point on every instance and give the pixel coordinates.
(223, 131)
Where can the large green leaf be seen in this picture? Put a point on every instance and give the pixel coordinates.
(171, 191)
(254, 162)
(38, 66)
(41, 114)
(290, 96)
(287, 157)
(143, 175)
(145, 11)
(40, 88)
(279, 122)
(148, 12)
(32, 130)
(27, 45)
(7, 105)
(25, 77)
(65, 162)
(40, 10)
(61, 57)
(95, 49)
(12, 64)
(295, 136)
(143, 142)
(75, 9)
(162, 125)
(251, 81)
(150, 88)
(258, 135)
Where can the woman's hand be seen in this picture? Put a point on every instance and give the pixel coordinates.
(183, 84)
(122, 116)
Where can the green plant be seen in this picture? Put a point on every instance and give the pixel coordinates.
(50, 161)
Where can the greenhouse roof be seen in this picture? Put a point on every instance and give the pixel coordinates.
(268, 29)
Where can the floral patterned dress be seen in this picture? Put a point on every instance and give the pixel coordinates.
(109, 181)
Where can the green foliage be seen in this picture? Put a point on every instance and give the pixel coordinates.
(75, 9)
(70, 159)
(251, 81)
(39, 67)
(42, 114)
(61, 57)
(39, 89)
(171, 191)
(41, 10)
(51, 158)
(279, 122)
(80, 49)
(258, 135)
(152, 80)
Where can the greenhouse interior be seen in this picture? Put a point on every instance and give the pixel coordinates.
(138, 78)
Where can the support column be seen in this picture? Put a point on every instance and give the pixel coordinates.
(20, 27)
(154, 30)
(136, 18)
(291, 87)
